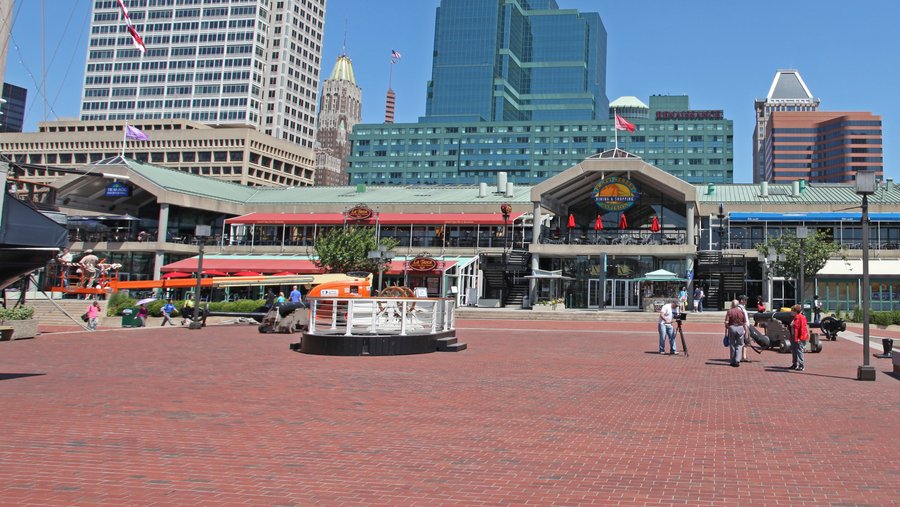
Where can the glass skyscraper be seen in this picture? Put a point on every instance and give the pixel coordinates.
(516, 60)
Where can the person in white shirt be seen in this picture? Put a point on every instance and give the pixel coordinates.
(666, 315)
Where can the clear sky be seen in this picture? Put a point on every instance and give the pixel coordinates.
(723, 54)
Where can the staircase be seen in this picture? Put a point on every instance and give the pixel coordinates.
(49, 315)
(516, 294)
(449, 344)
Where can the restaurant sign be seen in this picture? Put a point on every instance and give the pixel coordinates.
(359, 213)
(116, 189)
(423, 264)
(690, 115)
(615, 193)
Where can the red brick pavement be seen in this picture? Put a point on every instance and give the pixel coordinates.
(540, 413)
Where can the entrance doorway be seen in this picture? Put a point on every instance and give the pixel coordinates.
(595, 294)
(623, 294)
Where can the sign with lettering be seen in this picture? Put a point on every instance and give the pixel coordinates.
(423, 264)
(615, 193)
(117, 189)
(690, 115)
(359, 213)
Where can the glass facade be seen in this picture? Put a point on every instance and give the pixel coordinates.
(516, 60)
(696, 146)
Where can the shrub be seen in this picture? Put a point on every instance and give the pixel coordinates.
(17, 313)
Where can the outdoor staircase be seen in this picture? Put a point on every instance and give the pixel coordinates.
(516, 294)
(449, 344)
(46, 313)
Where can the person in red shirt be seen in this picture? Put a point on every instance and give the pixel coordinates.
(799, 337)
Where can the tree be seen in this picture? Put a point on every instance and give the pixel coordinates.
(817, 249)
(342, 250)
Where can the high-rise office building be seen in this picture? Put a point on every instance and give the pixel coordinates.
(787, 93)
(12, 110)
(250, 62)
(822, 147)
(340, 110)
(516, 60)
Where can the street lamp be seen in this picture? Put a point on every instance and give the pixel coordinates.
(201, 232)
(865, 186)
(721, 217)
(506, 209)
(802, 233)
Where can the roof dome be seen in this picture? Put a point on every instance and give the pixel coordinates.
(628, 101)
(343, 70)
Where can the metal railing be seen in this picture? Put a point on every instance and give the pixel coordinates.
(381, 316)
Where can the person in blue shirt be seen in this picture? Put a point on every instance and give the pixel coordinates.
(295, 295)
(167, 311)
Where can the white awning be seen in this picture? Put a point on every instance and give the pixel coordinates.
(883, 268)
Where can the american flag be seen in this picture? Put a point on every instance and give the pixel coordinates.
(394, 54)
(135, 37)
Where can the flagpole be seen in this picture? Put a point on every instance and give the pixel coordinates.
(124, 137)
(616, 127)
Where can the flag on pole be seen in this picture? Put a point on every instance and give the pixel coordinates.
(134, 133)
(623, 124)
(395, 56)
(132, 31)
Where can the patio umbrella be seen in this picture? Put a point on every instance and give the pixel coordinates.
(598, 225)
(285, 273)
(145, 301)
(571, 221)
(654, 225)
(214, 272)
(176, 274)
(623, 222)
(246, 273)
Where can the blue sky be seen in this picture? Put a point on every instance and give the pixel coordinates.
(723, 54)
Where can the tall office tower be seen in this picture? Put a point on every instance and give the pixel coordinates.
(6, 19)
(787, 93)
(822, 147)
(250, 62)
(390, 104)
(12, 110)
(340, 110)
(516, 60)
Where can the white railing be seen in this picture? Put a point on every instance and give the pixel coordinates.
(380, 316)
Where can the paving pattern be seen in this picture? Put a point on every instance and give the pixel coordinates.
(533, 413)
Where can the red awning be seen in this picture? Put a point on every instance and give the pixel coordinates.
(383, 219)
(271, 267)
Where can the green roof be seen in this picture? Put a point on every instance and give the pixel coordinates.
(782, 194)
(187, 183)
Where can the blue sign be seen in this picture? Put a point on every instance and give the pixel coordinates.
(116, 189)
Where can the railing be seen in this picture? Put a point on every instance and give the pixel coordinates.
(380, 316)
(619, 237)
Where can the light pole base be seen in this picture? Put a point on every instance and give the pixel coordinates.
(197, 325)
(865, 373)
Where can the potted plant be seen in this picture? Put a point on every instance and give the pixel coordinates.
(550, 304)
(17, 323)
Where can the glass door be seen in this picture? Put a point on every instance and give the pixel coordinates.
(595, 293)
(623, 294)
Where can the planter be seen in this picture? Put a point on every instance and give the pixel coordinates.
(21, 329)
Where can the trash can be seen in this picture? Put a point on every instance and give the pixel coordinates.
(130, 318)
(807, 310)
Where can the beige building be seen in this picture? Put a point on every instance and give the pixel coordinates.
(236, 153)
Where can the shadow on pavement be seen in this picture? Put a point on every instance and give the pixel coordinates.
(9, 376)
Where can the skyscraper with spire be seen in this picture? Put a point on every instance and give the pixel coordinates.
(339, 111)
(787, 93)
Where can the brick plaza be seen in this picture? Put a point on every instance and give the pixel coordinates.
(533, 413)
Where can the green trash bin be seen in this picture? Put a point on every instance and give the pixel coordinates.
(130, 318)
(807, 310)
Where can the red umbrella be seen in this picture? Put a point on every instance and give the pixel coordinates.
(246, 273)
(623, 222)
(654, 225)
(285, 273)
(598, 225)
(214, 272)
(176, 274)
(571, 221)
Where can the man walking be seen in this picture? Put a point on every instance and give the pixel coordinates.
(666, 315)
(742, 302)
(295, 295)
(736, 327)
(167, 310)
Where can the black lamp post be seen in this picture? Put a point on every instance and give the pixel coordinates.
(865, 186)
(506, 209)
(721, 217)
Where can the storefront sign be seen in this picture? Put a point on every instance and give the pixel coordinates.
(690, 115)
(116, 189)
(423, 264)
(615, 193)
(359, 213)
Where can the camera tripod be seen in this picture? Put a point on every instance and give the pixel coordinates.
(681, 334)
